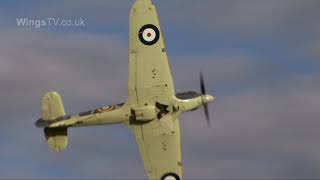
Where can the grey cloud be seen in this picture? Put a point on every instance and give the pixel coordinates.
(256, 129)
(97, 14)
(88, 70)
(268, 131)
(246, 16)
(263, 133)
(313, 49)
(33, 63)
(218, 67)
(232, 71)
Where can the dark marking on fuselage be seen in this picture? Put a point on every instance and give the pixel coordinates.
(162, 110)
(85, 113)
(101, 110)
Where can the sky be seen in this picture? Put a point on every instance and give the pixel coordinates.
(260, 59)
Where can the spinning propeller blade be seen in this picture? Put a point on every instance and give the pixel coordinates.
(203, 93)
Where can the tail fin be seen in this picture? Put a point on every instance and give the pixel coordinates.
(52, 109)
(52, 106)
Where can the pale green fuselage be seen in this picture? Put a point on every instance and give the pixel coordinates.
(123, 113)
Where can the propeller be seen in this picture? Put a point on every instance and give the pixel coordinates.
(205, 98)
(203, 93)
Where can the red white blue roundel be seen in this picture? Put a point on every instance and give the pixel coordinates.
(149, 34)
(170, 176)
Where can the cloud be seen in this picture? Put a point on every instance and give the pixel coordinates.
(82, 65)
(258, 133)
(313, 49)
(89, 71)
(99, 16)
(230, 72)
(265, 113)
(258, 127)
(245, 16)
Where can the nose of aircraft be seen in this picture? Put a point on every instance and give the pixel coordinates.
(207, 98)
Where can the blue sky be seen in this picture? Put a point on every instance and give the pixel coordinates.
(260, 60)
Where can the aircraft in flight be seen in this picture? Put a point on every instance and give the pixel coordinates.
(152, 108)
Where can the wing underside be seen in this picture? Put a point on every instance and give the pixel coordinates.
(159, 146)
(150, 83)
(149, 71)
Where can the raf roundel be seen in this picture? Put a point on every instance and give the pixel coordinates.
(170, 176)
(149, 34)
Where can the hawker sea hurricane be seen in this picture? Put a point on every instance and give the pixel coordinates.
(152, 108)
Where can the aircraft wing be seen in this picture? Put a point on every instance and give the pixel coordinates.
(150, 82)
(159, 146)
(149, 71)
